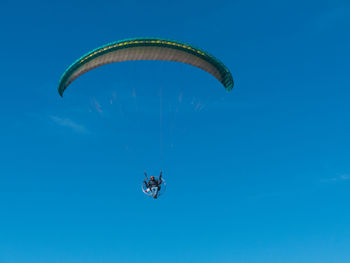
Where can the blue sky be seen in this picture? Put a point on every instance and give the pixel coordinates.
(260, 174)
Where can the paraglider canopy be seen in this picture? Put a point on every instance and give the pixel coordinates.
(147, 49)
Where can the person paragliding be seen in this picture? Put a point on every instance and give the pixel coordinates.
(137, 49)
(153, 185)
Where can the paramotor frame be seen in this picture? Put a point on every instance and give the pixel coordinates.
(148, 192)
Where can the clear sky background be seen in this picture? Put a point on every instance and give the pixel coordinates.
(260, 174)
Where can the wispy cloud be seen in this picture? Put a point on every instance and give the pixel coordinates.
(65, 122)
(340, 178)
(345, 177)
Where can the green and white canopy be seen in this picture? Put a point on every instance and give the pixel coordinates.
(147, 49)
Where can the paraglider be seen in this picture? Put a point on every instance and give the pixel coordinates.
(147, 49)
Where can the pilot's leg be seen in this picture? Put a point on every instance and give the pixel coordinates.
(155, 191)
